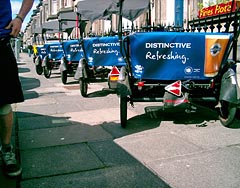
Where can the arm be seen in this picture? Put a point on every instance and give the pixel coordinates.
(16, 23)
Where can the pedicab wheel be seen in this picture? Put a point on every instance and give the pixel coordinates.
(123, 111)
(47, 72)
(227, 113)
(83, 86)
(64, 77)
(39, 69)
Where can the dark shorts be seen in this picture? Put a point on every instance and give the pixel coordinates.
(11, 90)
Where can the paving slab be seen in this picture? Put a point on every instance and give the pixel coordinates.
(50, 161)
(127, 176)
(41, 121)
(98, 116)
(160, 145)
(29, 139)
(218, 168)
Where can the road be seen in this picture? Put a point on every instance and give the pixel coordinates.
(66, 140)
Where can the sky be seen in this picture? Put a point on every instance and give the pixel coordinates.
(16, 5)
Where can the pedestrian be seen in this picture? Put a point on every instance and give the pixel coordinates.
(11, 90)
(30, 49)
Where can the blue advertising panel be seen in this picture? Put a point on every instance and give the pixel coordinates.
(103, 51)
(54, 50)
(177, 56)
(73, 50)
(41, 51)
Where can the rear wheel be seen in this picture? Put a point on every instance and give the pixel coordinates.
(227, 113)
(47, 72)
(123, 111)
(39, 69)
(83, 86)
(64, 76)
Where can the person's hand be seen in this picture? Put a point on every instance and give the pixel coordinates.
(15, 25)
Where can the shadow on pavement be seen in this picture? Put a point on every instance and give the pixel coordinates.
(58, 152)
(103, 93)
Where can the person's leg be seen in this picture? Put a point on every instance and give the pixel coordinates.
(6, 123)
(10, 165)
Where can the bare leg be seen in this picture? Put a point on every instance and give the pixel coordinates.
(6, 124)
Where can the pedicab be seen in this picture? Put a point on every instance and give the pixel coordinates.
(52, 59)
(72, 54)
(39, 56)
(178, 67)
(102, 58)
(71, 48)
(54, 49)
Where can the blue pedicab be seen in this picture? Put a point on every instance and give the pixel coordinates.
(65, 23)
(101, 62)
(72, 54)
(181, 68)
(102, 57)
(52, 59)
(41, 53)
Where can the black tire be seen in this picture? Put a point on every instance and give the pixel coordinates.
(83, 86)
(47, 72)
(227, 113)
(64, 77)
(39, 69)
(123, 111)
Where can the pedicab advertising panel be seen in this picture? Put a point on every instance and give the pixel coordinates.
(103, 51)
(174, 56)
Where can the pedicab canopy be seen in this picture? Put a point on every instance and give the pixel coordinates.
(66, 22)
(133, 9)
(178, 56)
(56, 26)
(101, 9)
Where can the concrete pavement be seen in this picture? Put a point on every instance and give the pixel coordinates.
(65, 140)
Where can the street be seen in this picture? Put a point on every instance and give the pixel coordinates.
(65, 140)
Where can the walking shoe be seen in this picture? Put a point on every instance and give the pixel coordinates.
(10, 164)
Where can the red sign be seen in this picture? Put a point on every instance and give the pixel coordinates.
(174, 88)
(219, 9)
(114, 71)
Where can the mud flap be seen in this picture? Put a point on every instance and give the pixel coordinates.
(81, 67)
(123, 85)
(229, 91)
(171, 100)
(63, 65)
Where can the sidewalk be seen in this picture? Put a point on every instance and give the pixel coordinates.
(57, 151)
(62, 145)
